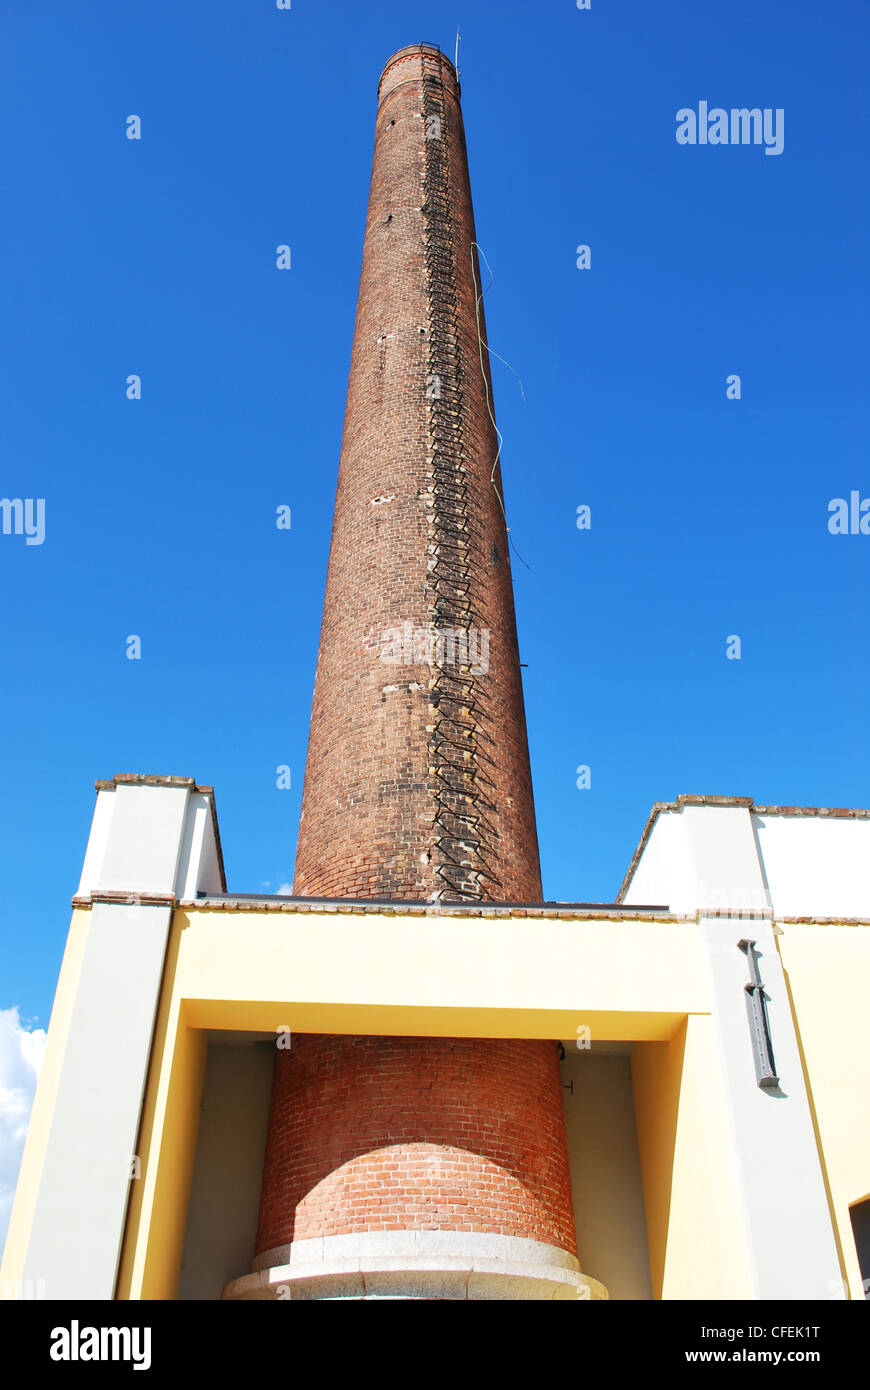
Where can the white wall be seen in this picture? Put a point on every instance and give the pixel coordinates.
(149, 837)
(784, 1202)
(816, 866)
(714, 857)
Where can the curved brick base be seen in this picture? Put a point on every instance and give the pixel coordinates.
(416, 1264)
(395, 1134)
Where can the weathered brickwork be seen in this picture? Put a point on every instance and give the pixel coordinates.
(389, 1134)
(417, 783)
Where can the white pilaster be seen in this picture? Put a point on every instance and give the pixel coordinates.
(151, 838)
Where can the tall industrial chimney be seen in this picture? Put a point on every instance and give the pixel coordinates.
(437, 1155)
(418, 783)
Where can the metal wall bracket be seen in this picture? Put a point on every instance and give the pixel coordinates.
(759, 1027)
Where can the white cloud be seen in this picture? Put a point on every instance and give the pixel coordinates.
(285, 890)
(21, 1050)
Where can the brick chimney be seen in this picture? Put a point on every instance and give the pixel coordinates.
(418, 1160)
(418, 783)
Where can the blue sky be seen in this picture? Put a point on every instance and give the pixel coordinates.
(709, 516)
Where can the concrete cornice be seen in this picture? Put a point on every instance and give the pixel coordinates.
(568, 911)
(109, 895)
(838, 812)
(151, 779)
(823, 921)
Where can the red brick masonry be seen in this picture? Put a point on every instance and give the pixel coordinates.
(390, 1134)
(417, 781)
(417, 784)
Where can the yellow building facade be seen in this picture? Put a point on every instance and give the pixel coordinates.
(719, 1143)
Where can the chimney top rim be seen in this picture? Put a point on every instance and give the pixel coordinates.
(411, 48)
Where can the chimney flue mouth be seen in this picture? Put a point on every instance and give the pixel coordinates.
(415, 51)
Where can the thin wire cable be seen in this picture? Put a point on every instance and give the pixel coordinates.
(492, 352)
(480, 346)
